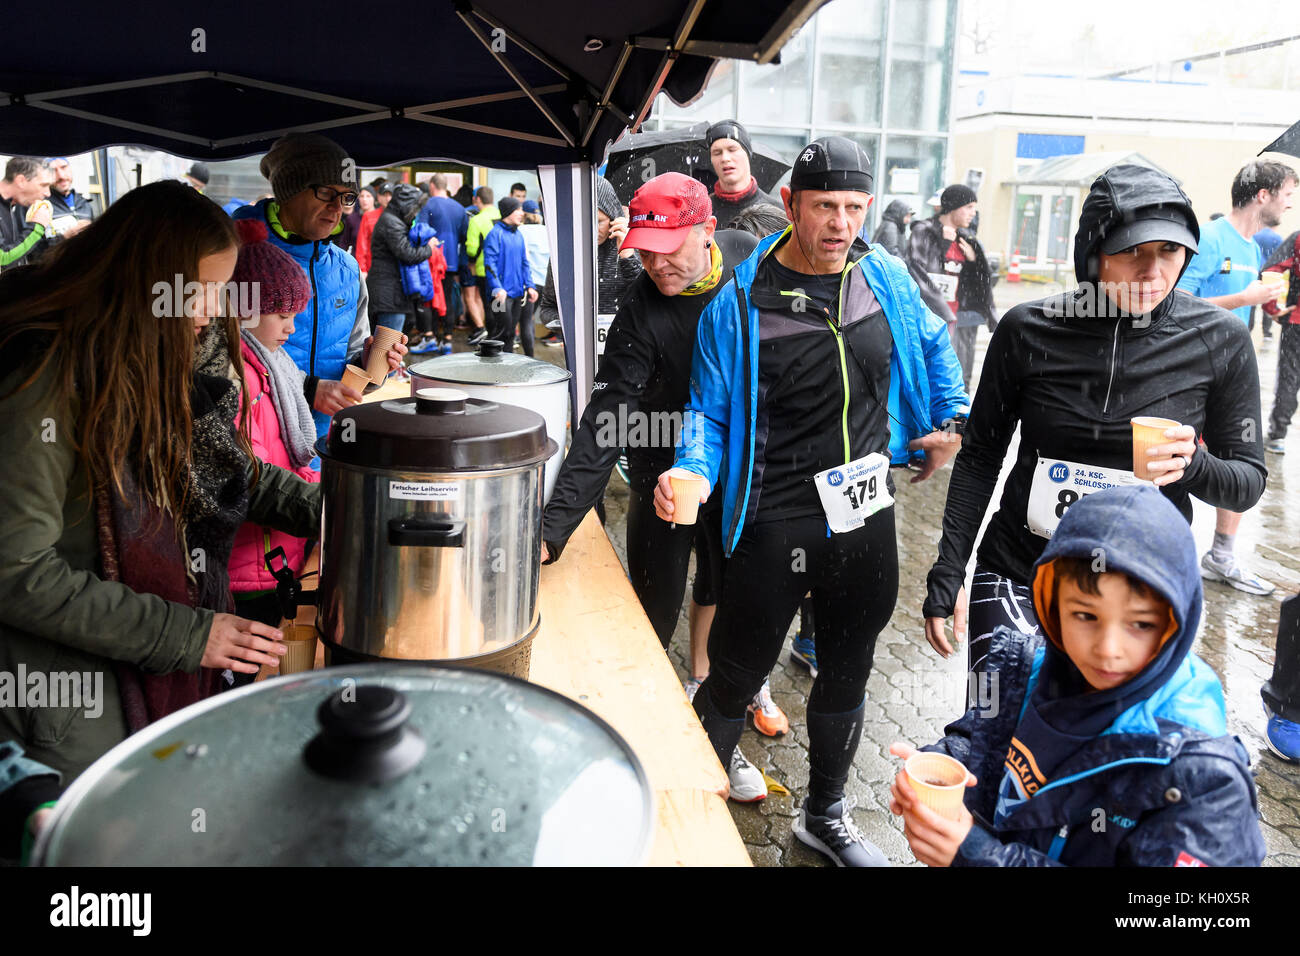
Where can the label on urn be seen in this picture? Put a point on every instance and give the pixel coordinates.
(424, 490)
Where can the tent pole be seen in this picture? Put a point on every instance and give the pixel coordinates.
(515, 75)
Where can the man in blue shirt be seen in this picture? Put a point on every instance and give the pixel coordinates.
(1225, 272)
(1268, 240)
(449, 221)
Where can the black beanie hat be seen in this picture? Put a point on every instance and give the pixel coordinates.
(832, 163)
(954, 197)
(508, 204)
(728, 129)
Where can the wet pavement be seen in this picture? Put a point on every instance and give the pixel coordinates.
(912, 693)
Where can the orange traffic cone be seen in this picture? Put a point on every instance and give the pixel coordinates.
(1013, 270)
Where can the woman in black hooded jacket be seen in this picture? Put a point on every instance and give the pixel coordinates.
(390, 249)
(1072, 370)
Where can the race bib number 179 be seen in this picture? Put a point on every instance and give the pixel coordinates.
(852, 493)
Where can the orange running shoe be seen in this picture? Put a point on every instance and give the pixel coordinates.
(769, 719)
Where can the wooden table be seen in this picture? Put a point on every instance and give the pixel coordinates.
(597, 647)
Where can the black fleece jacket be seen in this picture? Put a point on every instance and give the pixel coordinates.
(644, 377)
(1072, 384)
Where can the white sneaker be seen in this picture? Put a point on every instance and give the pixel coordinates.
(747, 783)
(769, 719)
(1234, 574)
(691, 685)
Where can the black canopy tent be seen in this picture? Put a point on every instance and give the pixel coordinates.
(503, 83)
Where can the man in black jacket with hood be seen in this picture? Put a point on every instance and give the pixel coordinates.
(1072, 370)
(947, 260)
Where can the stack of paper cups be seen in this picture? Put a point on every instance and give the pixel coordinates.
(386, 336)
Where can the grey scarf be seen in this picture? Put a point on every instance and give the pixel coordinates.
(297, 427)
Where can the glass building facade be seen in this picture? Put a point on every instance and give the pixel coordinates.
(877, 71)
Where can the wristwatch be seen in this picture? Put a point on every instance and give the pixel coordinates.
(954, 424)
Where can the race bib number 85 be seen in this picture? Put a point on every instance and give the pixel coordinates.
(1058, 484)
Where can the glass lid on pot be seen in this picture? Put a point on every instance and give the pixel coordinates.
(489, 366)
(377, 764)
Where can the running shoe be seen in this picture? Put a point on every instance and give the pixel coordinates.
(1235, 575)
(691, 686)
(1276, 446)
(768, 718)
(747, 783)
(1283, 737)
(477, 336)
(836, 836)
(423, 346)
(620, 466)
(803, 651)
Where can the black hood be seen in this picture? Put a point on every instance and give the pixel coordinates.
(896, 211)
(407, 201)
(1115, 199)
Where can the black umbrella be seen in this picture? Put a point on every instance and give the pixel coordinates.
(506, 83)
(640, 157)
(1288, 142)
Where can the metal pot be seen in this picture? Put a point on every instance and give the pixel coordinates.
(431, 531)
(516, 379)
(370, 765)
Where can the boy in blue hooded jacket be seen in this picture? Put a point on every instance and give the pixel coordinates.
(1109, 743)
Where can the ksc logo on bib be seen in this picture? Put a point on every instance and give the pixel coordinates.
(1059, 472)
(835, 479)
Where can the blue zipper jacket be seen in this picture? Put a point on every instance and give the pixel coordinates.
(925, 384)
(321, 333)
(1163, 784)
(505, 261)
(417, 280)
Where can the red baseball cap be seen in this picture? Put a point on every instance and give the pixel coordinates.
(663, 211)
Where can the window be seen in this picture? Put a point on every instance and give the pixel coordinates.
(921, 64)
(779, 94)
(850, 44)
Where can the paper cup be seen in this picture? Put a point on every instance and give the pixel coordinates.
(687, 488)
(1148, 433)
(355, 377)
(385, 339)
(1280, 281)
(300, 639)
(939, 782)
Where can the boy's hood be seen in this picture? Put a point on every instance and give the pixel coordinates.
(1137, 531)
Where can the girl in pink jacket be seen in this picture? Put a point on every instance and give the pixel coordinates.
(280, 420)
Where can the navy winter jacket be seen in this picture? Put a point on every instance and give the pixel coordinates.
(1163, 784)
(417, 280)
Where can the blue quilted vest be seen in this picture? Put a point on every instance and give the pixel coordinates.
(319, 344)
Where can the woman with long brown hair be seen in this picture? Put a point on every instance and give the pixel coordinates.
(125, 479)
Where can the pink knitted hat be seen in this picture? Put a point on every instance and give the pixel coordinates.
(282, 286)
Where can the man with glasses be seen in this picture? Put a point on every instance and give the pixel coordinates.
(313, 183)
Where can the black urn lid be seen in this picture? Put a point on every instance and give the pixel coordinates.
(439, 430)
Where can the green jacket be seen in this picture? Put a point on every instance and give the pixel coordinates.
(59, 616)
(480, 224)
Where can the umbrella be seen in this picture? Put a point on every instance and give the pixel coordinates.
(1288, 142)
(641, 156)
(506, 83)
